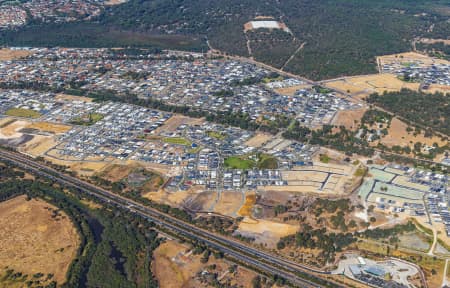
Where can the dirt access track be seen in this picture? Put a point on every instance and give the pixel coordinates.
(31, 241)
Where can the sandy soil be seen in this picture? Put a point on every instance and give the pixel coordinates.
(347, 118)
(261, 226)
(10, 131)
(265, 232)
(304, 188)
(229, 203)
(32, 242)
(246, 209)
(315, 176)
(258, 140)
(8, 54)
(39, 145)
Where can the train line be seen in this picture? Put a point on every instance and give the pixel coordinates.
(262, 260)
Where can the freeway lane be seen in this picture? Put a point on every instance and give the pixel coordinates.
(267, 262)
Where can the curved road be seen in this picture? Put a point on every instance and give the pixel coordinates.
(262, 260)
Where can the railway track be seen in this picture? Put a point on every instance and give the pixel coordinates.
(264, 261)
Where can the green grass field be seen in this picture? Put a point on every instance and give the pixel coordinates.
(267, 162)
(215, 134)
(88, 120)
(324, 158)
(177, 140)
(239, 162)
(20, 112)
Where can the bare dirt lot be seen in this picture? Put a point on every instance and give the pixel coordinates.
(31, 241)
(8, 54)
(204, 201)
(10, 128)
(172, 124)
(265, 231)
(229, 203)
(258, 140)
(38, 145)
(290, 91)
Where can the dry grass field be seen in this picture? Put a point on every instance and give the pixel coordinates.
(172, 124)
(290, 91)
(433, 41)
(8, 54)
(410, 57)
(31, 241)
(175, 266)
(50, 127)
(167, 271)
(181, 198)
(397, 135)
(71, 98)
(435, 88)
(88, 168)
(258, 140)
(350, 119)
(362, 86)
(115, 172)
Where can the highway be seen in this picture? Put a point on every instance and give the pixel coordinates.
(264, 261)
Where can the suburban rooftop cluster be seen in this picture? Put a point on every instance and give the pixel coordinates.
(12, 16)
(60, 11)
(425, 74)
(212, 85)
(110, 130)
(402, 189)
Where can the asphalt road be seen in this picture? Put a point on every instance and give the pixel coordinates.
(262, 260)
